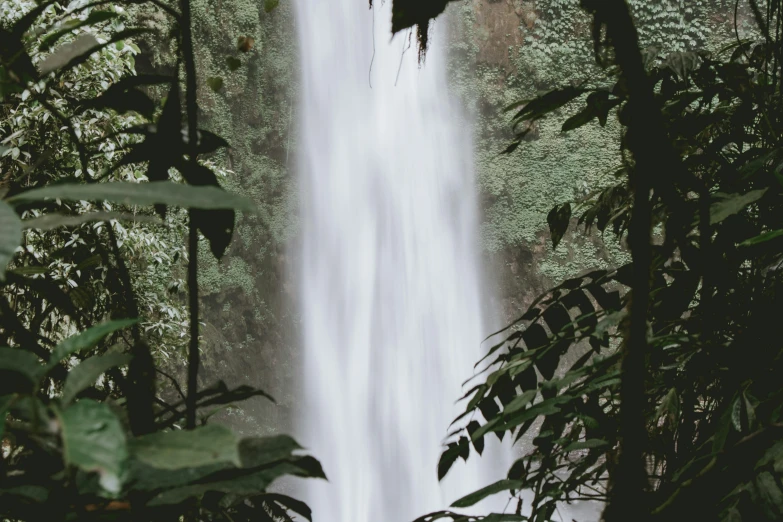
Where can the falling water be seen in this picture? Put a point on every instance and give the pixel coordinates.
(390, 281)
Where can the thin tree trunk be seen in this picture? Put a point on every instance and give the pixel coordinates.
(192, 114)
(191, 106)
(645, 138)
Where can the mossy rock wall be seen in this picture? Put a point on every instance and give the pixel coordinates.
(248, 312)
(504, 51)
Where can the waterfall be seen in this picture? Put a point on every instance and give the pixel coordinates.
(390, 276)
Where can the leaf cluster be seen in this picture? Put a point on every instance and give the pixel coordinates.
(713, 425)
(86, 433)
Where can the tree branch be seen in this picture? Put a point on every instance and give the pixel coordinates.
(646, 140)
(192, 113)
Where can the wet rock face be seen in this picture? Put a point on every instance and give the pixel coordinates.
(497, 27)
(501, 27)
(489, 38)
(504, 51)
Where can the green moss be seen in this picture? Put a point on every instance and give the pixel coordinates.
(522, 187)
(253, 111)
(231, 273)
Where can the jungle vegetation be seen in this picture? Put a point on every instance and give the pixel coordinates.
(106, 194)
(671, 410)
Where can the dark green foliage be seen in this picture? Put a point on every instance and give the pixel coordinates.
(86, 433)
(87, 372)
(125, 95)
(532, 110)
(478, 496)
(599, 104)
(710, 424)
(94, 18)
(201, 196)
(558, 220)
(409, 13)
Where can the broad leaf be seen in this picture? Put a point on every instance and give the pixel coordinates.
(456, 517)
(500, 424)
(28, 408)
(216, 225)
(94, 440)
(209, 142)
(558, 219)
(124, 95)
(20, 370)
(447, 459)
(37, 494)
(308, 466)
(164, 147)
(67, 52)
(10, 236)
(763, 238)
(87, 339)
(598, 106)
(17, 70)
(85, 374)
(585, 444)
(172, 450)
(244, 483)
(481, 494)
(79, 51)
(156, 192)
(124, 101)
(774, 455)
(520, 402)
(220, 394)
(74, 23)
(669, 406)
(579, 119)
(682, 63)
(770, 494)
(478, 443)
(548, 102)
(55, 220)
(260, 451)
(731, 204)
(146, 478)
